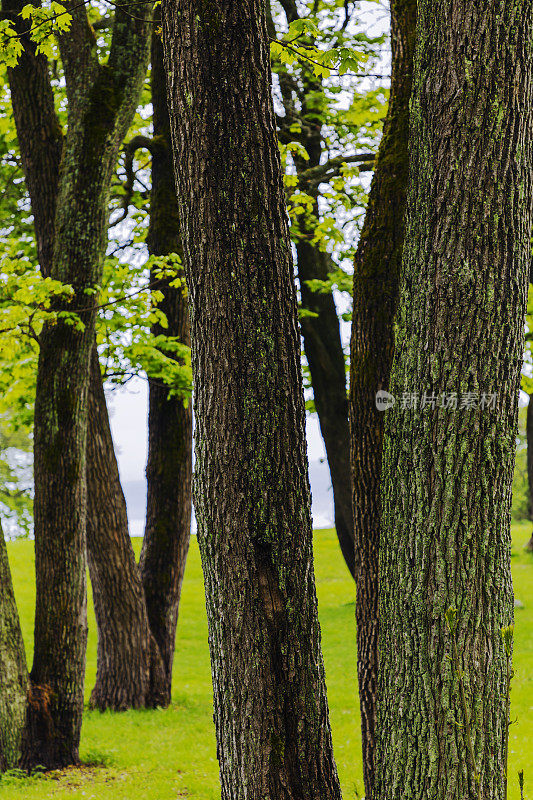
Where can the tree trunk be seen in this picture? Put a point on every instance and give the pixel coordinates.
(13, 671)
(39, 133)
(101, 103)
(529, 441)
(251, 486)
(375, 297)
(125, 646)
(325, 357)
(124, 653)
(321, 333)
(447, 472)
(169, 467)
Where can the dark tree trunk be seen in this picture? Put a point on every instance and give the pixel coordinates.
(39, 133)
(125, 646)
(101, 103)
(60, 632)
(251, 489)
(13, 671)
(529, 440)
(325, 357)
(169, 467)
(124, 653)
(321, 333)
(375, 297)
(447, 474)
(56, 693)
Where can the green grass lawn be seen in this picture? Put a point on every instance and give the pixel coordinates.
(164, 755)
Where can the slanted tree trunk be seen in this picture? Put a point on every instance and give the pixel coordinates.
(447, 473)
(169, 467)
(125, 645)
(123, 653)
(39, 133)
(375, 297)
(102, 101)
(251, 487)
(13, 671)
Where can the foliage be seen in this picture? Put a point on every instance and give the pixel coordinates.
(127, 300)
(310, 56)
(44, 23)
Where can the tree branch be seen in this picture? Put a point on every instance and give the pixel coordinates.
(324, 172)
(137, 143)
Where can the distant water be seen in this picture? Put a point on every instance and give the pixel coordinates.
(135, 492)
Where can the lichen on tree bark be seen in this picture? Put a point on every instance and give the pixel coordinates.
(251, 487)
(447, 473)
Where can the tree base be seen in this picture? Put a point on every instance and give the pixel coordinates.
(43, 744)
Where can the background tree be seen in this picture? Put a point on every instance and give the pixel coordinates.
(529, 441)
(447, 473)
(130, 670)
(375, 296)
(101, 102)
(251, 489)
(169, 467)
(322, 137)
(13, 670)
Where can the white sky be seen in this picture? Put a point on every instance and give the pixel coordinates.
(128, 411)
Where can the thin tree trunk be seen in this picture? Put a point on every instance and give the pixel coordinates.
(251, 488)
(375, 297)
(320, 333)
(529, 440)
(13, 671)
(447, 472)
(101, 103)
(125, 646)
(169, 467)
(39, 133)
(325, 357)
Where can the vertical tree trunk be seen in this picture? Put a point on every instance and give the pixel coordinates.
(325, 357)
(101, 103)
(375, 297)
(169, 467)
(125, 647)
(13, 672)
(529, 442)
(125, 654)
(39, 133)
(251, 486)
(321, 333)
(447, 472)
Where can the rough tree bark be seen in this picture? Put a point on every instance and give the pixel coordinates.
(251, 488)
(129, 666)
(13, 671)
(321, 333)
(375, 298)
(102, 100)
(125, 651)
(447, 473)
(169, 467)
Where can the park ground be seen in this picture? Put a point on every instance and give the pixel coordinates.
(170, 754)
